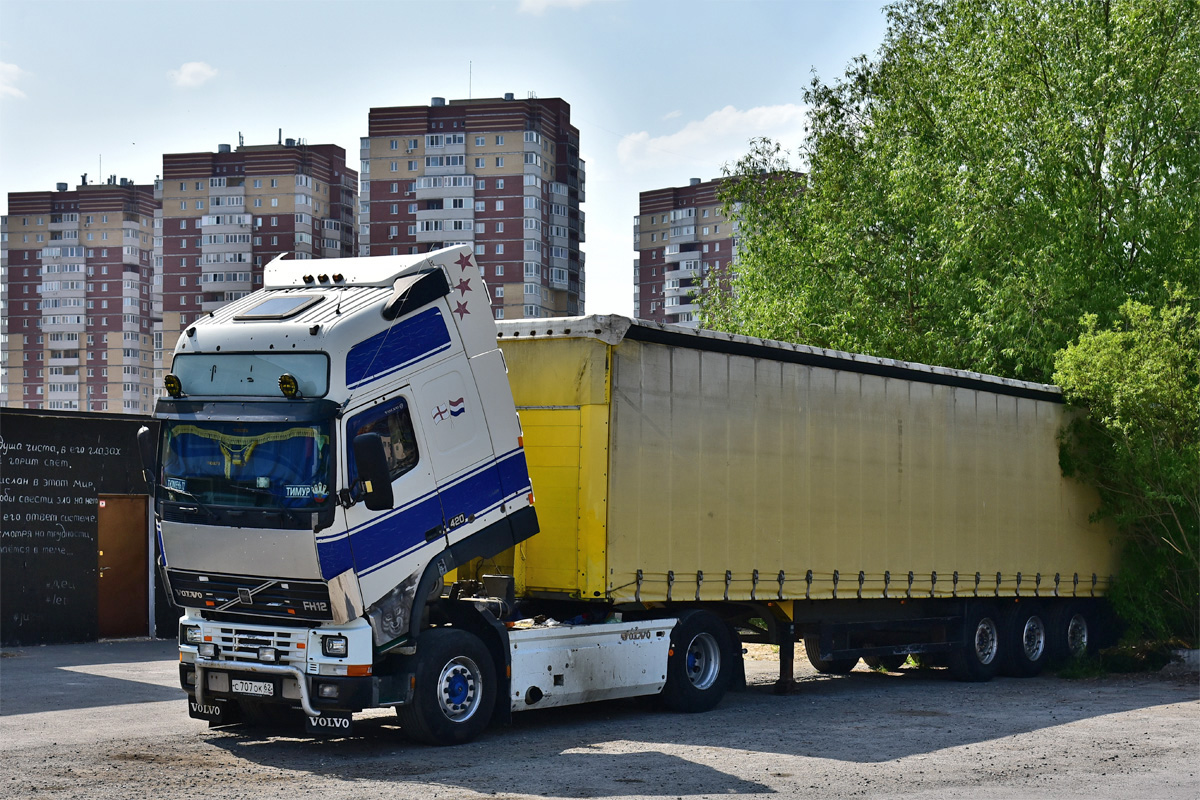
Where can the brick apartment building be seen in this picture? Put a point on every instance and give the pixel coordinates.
(680, 235)
(78, 275)
(228, 213)
(501, 175)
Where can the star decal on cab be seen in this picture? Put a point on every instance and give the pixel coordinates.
(463, 261)
(463, 286)
(461, 310)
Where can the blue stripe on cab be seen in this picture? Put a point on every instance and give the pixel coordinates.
(376, 543)
(401, 345)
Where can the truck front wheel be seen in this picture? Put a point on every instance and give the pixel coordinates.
(455, 690)
(700, 663)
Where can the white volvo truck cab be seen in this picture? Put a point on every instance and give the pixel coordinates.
(330, 448)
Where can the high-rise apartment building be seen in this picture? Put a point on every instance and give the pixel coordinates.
(226, 214)
(501, 175)
(680, 234)
(78, 271)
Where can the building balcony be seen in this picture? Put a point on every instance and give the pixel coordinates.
(444, 214)
(444, 192)
(457, 170)
(681, 274)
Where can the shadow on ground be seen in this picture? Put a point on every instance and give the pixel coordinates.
(630, 748)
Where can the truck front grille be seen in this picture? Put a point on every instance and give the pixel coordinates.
(242, 644)
(242, 595)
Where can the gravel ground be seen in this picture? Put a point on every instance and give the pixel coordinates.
(107, 721)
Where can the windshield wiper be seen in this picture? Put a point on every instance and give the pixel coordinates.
(212, 514)
(251, 489)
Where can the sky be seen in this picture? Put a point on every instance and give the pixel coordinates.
(661, 90)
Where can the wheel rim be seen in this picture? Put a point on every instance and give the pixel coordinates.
(985, 641)
(1077, 635)
(703, 661)
(1033, 638)
(458, 689)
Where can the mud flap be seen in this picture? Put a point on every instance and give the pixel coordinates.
(216, 712)
(330, 723)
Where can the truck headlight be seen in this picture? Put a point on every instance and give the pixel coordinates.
(268, 654)
(334, 646)
(207, 650)
(190, 634)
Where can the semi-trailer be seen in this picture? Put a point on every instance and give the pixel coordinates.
(369, 493)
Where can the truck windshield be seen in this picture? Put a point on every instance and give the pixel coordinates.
(249, 464)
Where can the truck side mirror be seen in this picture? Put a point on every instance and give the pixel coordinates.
(371, 459)
(147, 446)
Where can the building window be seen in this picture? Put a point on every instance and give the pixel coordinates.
(479, 163)
(499, 160)
(499, 205)
(499, 291)
(500, 249)
(499, 183)
(499, 140)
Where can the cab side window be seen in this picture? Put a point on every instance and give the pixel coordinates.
(391, 420)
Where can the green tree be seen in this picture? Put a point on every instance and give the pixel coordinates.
(998, 170)
(1139, 444)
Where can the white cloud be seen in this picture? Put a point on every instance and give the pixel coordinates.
(9, 75)
(191, 74)
(703, 146)
(539, 7)
(672, 114)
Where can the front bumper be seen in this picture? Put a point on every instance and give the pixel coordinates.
(210, 679)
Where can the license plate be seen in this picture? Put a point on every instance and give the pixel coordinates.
(259, 688)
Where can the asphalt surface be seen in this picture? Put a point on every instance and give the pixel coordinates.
(107, 720)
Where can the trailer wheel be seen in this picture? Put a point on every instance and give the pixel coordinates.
(833, 666)
(455, 689)
(1024, 640)
(891, 663)
(979, 656)
(700, 664)
(1071, 633)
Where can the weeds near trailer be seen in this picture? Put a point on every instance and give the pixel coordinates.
(1127, 657)
(1082, 668)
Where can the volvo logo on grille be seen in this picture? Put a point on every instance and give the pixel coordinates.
(244, 595)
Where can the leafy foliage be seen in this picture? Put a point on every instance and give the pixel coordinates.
(998, 172)
(1000, 169)
(1139, 444)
